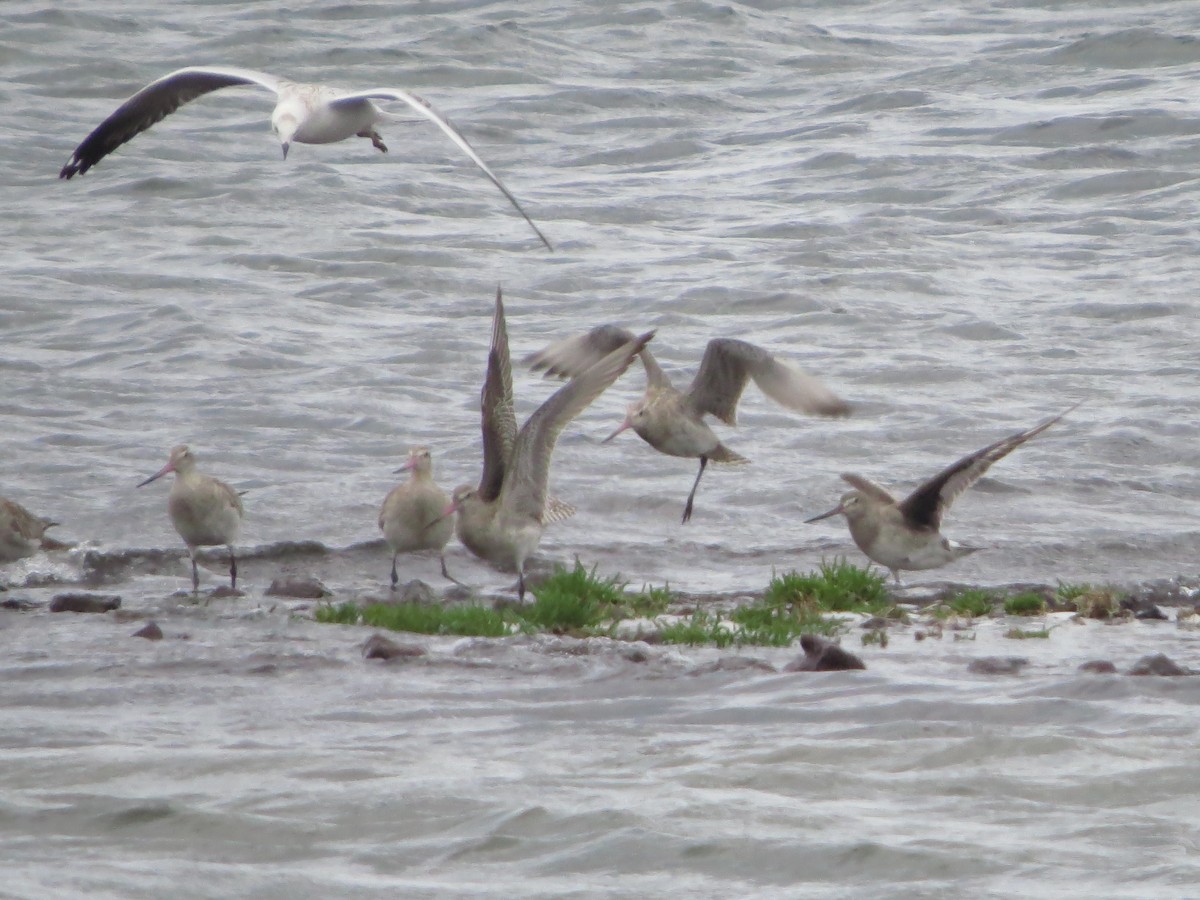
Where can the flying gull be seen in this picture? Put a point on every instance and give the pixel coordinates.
(307, 113)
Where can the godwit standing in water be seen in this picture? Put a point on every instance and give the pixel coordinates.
(22, 533)
(502, 520)
(905, 534)
(206, 512)
(411, 517)
(672, 421)
(305, 113)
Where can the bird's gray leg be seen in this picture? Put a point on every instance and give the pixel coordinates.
(521, 583)
(687, 508)
(445, 573)
(395, 577)
(232, 569)
(376, 138)
(195, 572)
(896, 575)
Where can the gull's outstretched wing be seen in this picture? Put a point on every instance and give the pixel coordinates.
(423, 107)
(155, 102)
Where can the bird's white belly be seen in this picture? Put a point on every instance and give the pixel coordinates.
(327, 124)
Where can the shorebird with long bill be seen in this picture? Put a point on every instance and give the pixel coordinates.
(206, 512)
(905, 534)
(411, 516)
(672, 421)
(304, 114)
(501, 521)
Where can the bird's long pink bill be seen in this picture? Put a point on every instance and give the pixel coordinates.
(837, 510)
(165, 470)
(407, 467)
(625, 426)
(451, 509)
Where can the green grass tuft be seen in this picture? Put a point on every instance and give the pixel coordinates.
(1025, 604)
(773, 625)
(475, 621)
(838, 587)
(651, 602)
(972, 603)
(574, 600)
(701, 628)
(342, 614)
(1021, 634)
(1068, 593)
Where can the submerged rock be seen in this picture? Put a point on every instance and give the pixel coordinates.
(821, 655)
(417, 591)
(379, 647)
(1098, 667)
(1142, 608)
(302, 587)
(1158, 664)
(21, 603)
(997, 665)
(83, 602)
(150, 631)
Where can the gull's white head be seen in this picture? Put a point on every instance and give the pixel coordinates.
(285, 122)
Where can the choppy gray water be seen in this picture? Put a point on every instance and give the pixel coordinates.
(964, 218)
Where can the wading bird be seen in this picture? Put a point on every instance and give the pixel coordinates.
(672, 421)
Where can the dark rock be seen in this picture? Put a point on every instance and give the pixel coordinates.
(821, 655)
(222, 593)
(21, 603)
(636, 653)
(82, 602)
(417, 591)
(875, 623)
(1166, 592)
(458, 592)
(304, 587)
(997, 665)
(1142, 608)
(379, 647)
(1098, 667)
(150, 631)
(1158, 664)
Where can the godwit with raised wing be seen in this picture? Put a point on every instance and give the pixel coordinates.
(906, 534)
(501, 521)
(672, 421)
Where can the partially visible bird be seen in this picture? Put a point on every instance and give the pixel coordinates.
(906, 534)
(305, 113)
(206, 512)
(501, 520)
(672, 421)
(411, 516)
(22, 533)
